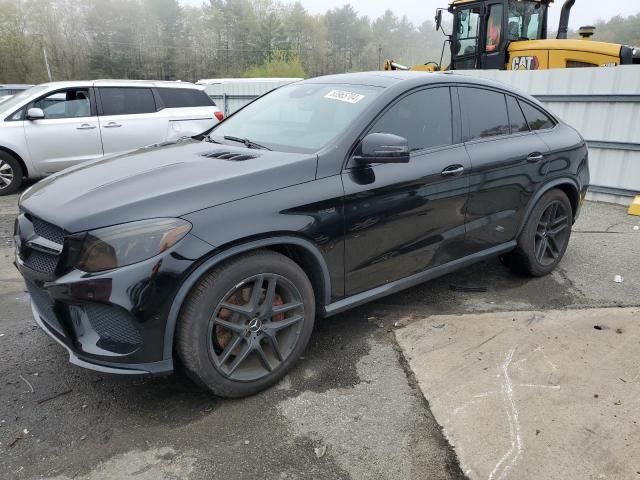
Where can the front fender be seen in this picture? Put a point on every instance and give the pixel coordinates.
(220, 257)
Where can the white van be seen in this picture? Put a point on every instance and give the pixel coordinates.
(53, 126)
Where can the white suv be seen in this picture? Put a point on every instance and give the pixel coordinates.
(55, 125)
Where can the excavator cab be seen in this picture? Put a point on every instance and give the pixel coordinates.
(512, 35)
(483, 30)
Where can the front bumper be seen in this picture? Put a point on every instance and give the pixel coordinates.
(162, 367)
(113, 321)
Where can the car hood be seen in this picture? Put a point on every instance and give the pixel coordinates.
(169, 180)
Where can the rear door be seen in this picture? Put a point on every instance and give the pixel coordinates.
(189, 111)
(404, 218)
(69, 132)
(508, 163)
(129, 118)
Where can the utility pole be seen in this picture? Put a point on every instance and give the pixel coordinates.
(379, 56)
(46, 63)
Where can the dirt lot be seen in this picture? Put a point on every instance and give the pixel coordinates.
(349, 410)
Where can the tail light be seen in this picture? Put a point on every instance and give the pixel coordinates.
(219, 116)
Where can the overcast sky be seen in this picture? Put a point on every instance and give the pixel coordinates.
(584, 12)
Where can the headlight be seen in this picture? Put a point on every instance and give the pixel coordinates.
(120, 245)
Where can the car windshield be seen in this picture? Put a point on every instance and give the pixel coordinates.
(298, 117)
(526, 20)
(17, 100)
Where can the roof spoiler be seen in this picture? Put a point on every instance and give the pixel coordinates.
(563, 28)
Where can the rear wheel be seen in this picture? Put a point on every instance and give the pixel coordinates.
(246, 323)
(10, 174)
(545, 238)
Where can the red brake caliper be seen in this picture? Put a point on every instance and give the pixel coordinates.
(277, 301)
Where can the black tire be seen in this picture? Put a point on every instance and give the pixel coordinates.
(10, 174)
(213, 341)
(545, 237)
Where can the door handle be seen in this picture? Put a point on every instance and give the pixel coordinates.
(112, 125)
(535, 157)
(453, 171)
(86, 126)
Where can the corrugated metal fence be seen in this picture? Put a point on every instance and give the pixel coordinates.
(604, 105)
(231, 94)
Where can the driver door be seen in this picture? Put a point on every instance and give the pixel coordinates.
(69, 132)
(465, 47)
(402, 219)
(494, 46)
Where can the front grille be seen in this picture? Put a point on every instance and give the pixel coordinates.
(31, 255)
(48, 231)
(577, 64)
(41, 262)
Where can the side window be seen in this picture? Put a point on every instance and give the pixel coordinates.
(184, 97)
(494, 28)
(485, 112)
(423, 118)
(70, 103)
(537, 119)
(516, 118)
(126, 100)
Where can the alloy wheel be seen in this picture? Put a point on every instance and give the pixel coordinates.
(255, 327)
(552, 234)
(6, 174)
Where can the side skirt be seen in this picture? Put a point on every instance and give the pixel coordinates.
(415, 279)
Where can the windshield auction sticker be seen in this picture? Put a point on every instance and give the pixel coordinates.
(341, 95)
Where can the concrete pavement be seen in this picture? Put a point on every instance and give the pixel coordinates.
(534, 395)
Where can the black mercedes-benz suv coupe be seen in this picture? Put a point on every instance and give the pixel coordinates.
(222, 250)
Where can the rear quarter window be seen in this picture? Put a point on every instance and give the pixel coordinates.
(184, 97)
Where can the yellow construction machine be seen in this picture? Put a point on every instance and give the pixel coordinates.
(512, 35)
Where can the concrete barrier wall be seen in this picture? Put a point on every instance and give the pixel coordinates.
(604, 105)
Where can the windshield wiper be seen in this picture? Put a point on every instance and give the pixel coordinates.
(247, 143)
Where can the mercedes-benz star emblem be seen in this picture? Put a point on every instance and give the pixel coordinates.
(255, 325)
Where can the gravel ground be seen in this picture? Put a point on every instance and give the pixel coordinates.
(348, 410)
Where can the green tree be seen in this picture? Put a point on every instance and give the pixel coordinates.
(278, 66)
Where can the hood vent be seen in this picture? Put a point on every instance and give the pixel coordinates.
(231, 156)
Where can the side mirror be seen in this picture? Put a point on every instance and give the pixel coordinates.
(438, 19)
(35, 114)
(383, 148)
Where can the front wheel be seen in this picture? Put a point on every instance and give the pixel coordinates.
(545, 237)
(246, 323)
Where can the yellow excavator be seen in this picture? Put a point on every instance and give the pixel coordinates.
(512, 35)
